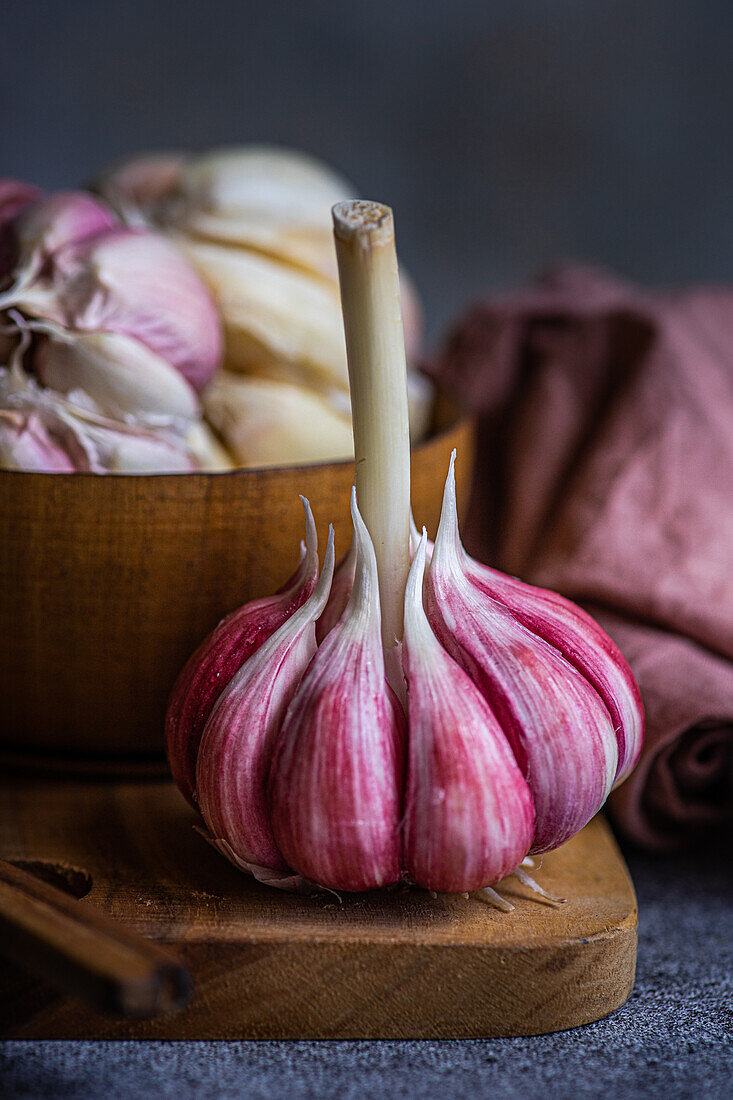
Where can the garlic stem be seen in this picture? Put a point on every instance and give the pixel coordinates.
(370, 300)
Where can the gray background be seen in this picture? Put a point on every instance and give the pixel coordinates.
(506, 133)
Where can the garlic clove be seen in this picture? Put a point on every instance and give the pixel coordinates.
(236, 745)
(468, 819)
(582, 642)
(272, 313)
(266, 422)
(578, 637)
(558, 726)
(336, 777)
(26, 444)
(123, 376)
(210, 454)
(264, 183)
(299, 247)
(222, 654)
(343, 582)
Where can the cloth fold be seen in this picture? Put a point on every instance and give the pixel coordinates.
(604, 470)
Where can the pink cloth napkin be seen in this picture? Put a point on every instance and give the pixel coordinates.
(605, 471)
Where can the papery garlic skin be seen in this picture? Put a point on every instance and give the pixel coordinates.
(14, 195)
(134, 185)
(211, 667)
(26, 444)
(336, 778)
(558, 726)
(236, 746)
(93, 442)
(123, 376)
(468, 817)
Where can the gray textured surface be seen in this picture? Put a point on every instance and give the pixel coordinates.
(506, 135)
(675, 1035)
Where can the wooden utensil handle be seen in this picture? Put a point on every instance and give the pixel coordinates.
(82, 952)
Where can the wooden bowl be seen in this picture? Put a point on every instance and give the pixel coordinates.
(107, 584)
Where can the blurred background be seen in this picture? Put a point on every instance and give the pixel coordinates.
(505, 135)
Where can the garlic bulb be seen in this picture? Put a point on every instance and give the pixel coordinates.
(222, 654)
(234, 756)
(265, 422)
(468, 818)
(518, 714)
(335, 783)
(132, 283)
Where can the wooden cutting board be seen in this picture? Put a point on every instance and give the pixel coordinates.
(392, 964)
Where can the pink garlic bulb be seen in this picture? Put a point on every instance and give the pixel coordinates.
(468, 816)
(236, 747)
(336, 779)
(559, 727)
(210, 669)
(134, 283)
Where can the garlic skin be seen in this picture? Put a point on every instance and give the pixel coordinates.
(132, 186)
(43, 226)
(94, 443)
(557, 725)
(468, 817)
(14, 195)
(26, 444)
(335, 782)
(211, 667)
(236, 746)
(266, 422)
(119, 373)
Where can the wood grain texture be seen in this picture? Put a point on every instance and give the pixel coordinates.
(81, 951)
(107, 584)
(391, 964)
